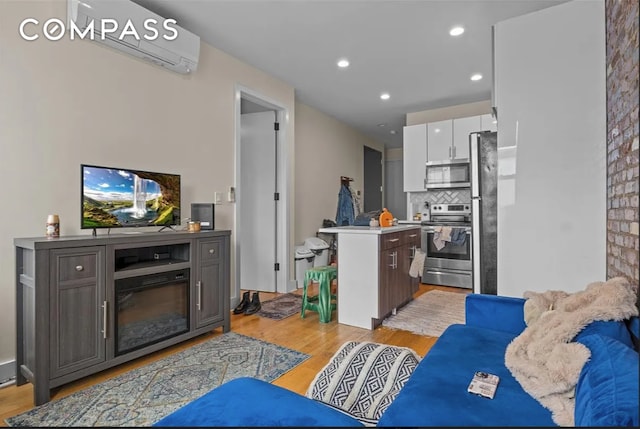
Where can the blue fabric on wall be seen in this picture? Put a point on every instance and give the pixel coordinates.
(345, 213)
(247, 402)
(607, 390)
(436, 394)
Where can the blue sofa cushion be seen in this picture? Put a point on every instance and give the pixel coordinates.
(436, 394)
(251, 402)
(500, 313)
(616, 330)
(607, 390)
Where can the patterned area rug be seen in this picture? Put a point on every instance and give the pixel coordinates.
(429, 314)
(281, 307)
(144, 395)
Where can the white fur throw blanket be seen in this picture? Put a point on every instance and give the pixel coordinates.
(543, 359)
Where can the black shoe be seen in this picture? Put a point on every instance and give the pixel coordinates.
(255, 305)
(244, 303)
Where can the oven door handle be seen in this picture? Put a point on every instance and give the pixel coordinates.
(430, 229)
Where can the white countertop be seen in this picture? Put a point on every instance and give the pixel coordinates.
(410, 222)
(352, 229)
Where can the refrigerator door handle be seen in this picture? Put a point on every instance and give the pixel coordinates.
(473, 155)
(476, 257)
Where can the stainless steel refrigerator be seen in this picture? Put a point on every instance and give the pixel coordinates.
(483, 155)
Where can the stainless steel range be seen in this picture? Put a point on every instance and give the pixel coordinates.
(446, 242)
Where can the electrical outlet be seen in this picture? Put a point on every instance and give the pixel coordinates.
(217, 197)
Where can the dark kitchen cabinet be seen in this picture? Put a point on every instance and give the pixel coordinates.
(67, 299)
(396, 287)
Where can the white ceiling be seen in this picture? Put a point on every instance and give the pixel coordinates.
(401, 47)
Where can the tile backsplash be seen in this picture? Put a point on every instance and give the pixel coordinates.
(453, 196)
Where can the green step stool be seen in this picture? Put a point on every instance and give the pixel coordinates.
(324, 302)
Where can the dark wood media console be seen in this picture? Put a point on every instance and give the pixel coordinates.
(72, 319)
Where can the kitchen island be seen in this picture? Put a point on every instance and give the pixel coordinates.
(373, 271)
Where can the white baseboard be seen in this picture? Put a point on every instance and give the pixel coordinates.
(7, 371)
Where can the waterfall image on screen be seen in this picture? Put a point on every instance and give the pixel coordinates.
(139, 197)
(113, 197)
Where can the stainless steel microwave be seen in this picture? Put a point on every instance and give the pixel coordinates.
(452, 173)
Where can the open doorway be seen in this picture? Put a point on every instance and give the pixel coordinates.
(372, 179)
(261, 218)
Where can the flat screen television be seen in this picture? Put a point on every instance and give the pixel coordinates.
(118, 197)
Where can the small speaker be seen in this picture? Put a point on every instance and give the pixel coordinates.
(204, 213)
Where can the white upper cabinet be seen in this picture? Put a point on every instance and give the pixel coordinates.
(462, 127)
(488, 123)
(414, 156)
(449, 139)
(439, 140)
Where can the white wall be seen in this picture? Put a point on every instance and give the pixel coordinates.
(450, 112)
(70, 102)
(550, 73)
(325, 150)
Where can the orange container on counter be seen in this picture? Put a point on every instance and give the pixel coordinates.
(386, 218)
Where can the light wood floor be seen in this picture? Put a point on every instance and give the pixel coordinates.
(319, 340)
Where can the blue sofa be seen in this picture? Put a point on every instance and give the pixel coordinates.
(436, 393)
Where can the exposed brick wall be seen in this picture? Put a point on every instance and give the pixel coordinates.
(622, 139)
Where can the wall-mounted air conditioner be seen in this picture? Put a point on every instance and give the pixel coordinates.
(129, 27)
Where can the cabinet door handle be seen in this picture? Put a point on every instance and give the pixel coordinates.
(198, 296)
(413, 235)
(104, 319)
(393, 240)
(394, 260)
(79, 268)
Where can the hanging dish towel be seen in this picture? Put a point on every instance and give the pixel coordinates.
(437, 241)
(417, 265)
(458, 236)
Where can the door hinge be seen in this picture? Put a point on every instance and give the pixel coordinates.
(276, 196)
(276, 266)
(276, 126)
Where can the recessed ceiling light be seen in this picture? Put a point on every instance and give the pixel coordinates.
(392, 131)
(385, 96)
(382, 125)
(343, 63)
(456, 31)
(476, 76)
(495, 122)
(437, 130)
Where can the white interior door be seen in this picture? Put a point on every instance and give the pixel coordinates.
(257, 227)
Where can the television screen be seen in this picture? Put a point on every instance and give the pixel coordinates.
(116, 197)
